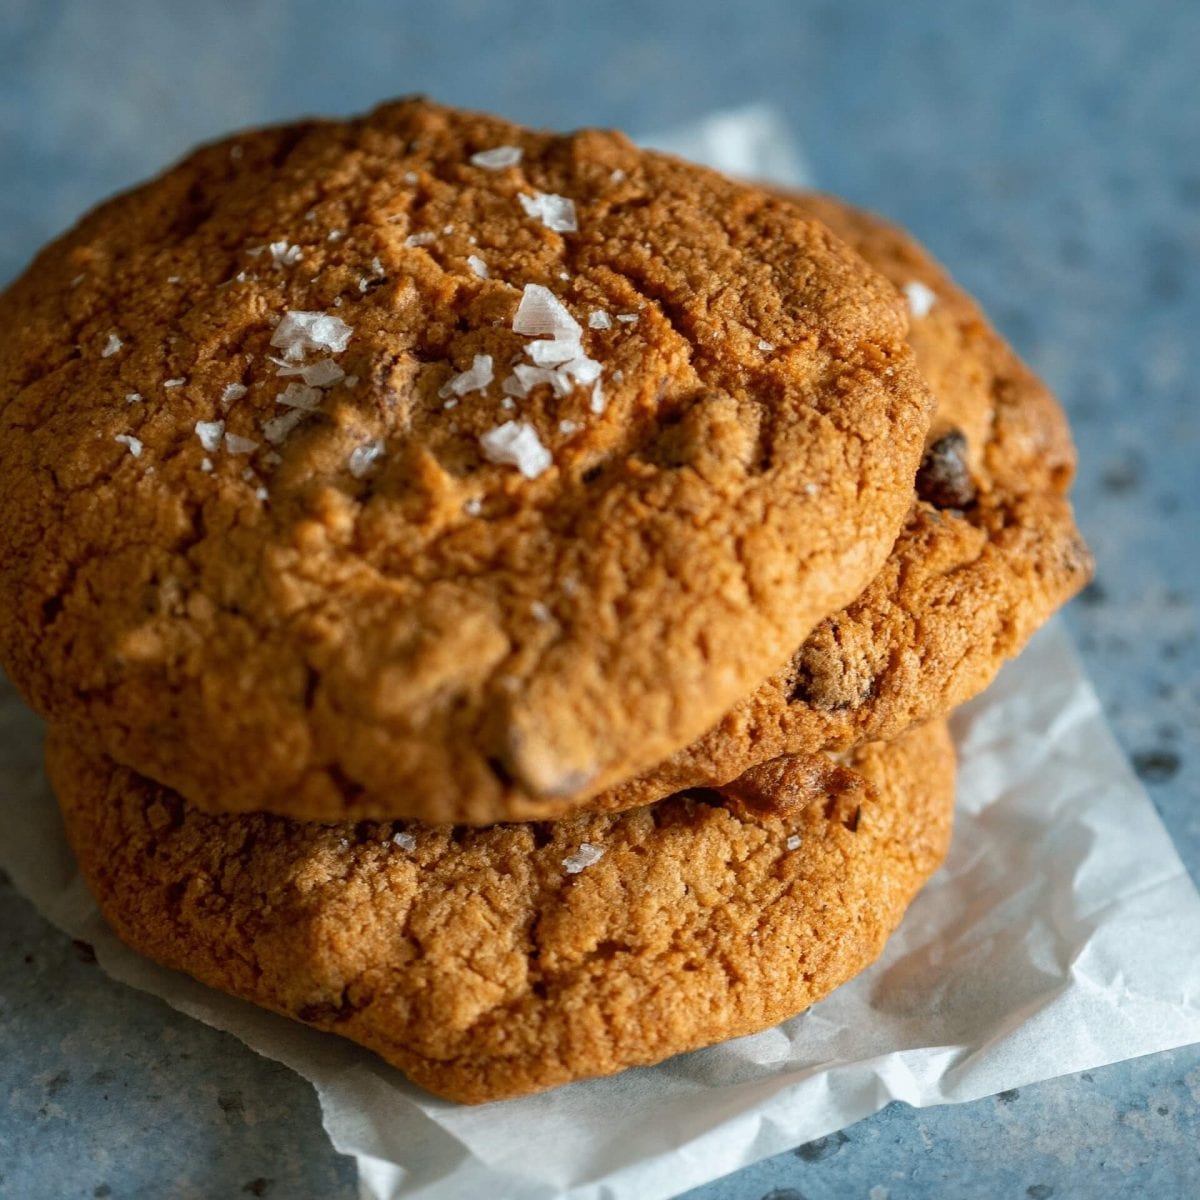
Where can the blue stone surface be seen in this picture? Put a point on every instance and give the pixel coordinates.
(1048, 153)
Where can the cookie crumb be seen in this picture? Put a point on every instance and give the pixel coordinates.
(134, 444)
(586, 856)
(497, 158)
(517, 444)
(921, 298)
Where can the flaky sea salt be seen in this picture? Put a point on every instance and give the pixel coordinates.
(260, 493)
(525, 378)
(206, 465)
(133, 397)
(475, 379)
(793, 842)
(277, 428)
(410, 177)
(557, 213)
(283, 255)
(113, 344)
(540, 612)
(322, 374)
(627, 318)
(542, 312)
(477, 265)
(174, 383)
(599, 320)
(566, 426)
(299, 395)
(405, 841)
(617, 176)
(364, 457)
(551, 352)
(134, 444)
(517, 444)
(232, 392)
(473, 506)
(300, 332)
(586, 856)
(236, 444)
(599, 401)
(335, 235)
(497, 158)
(920, 298)
(210, 434)
(765, 346)
(419, 239)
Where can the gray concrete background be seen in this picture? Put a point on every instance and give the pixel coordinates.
(1048, 153)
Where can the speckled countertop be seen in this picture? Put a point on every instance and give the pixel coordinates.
(1048, 154)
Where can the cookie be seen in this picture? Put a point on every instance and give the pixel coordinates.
(988, 551)
(488, 963)
(422, 465)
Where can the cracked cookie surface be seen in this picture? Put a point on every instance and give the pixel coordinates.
(987, 553)
(488, 963)
(423, 465)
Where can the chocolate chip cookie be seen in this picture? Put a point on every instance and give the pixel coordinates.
(422, 465)
(988, 552)
(488, 963)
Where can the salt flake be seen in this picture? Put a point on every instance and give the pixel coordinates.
(363, 458)
(299, 395)
(557, 213)
(210, 433)
(113, 344)
(793, 842)
(920, 298)
(419, 239)
(475, 379)
(134, 444)
(542, 312)
(300, 332)
(240, 445)
(405, 841)
(599, 320)
(517, 444)
(498, 158)
(174, 383)
(587, 855)
(277, 428)
(283, 255)
(477, 265)
(232, 392)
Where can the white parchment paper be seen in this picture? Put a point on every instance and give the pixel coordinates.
(1062, 934)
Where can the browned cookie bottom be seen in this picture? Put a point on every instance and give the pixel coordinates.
(488, 963)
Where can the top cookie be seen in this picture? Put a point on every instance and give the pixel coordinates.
(987, 553)
(422, 465)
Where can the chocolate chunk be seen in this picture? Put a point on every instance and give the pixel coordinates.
(943, 479)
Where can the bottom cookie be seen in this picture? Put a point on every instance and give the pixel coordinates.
(488, 963)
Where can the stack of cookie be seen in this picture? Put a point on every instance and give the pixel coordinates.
(497, 596)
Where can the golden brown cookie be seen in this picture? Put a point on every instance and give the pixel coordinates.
(423, 465)
(492, 962)
(987, 554)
